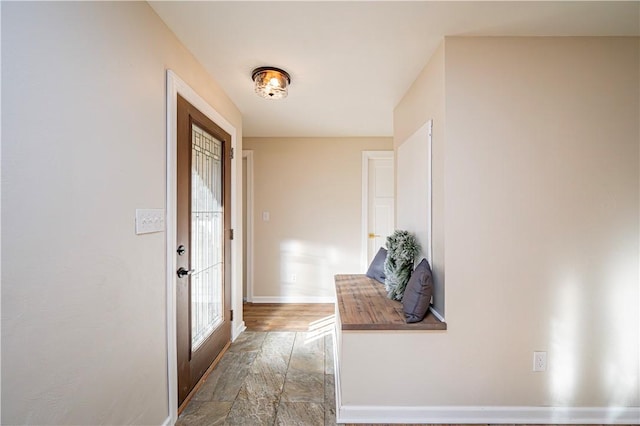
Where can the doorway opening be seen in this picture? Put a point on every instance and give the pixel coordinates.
(378, 194)
(176, 86)
(203, 245)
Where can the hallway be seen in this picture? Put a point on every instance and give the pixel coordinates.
(269, 378)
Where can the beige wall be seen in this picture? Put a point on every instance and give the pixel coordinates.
(84, 337)
(424, 101)
(541, 175)
(312, 189)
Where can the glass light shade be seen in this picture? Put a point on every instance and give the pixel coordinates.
(271, 83)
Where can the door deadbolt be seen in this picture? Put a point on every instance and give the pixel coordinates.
(181, 250)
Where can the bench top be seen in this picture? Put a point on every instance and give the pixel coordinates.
(363, 305)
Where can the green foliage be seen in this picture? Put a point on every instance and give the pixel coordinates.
(402, 249)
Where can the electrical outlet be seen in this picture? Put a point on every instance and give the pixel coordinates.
(539, 361)
(294, 278)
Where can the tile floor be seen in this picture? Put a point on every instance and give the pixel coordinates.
(269, 378)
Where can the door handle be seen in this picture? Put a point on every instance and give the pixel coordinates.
(372, 235)
(183, 272)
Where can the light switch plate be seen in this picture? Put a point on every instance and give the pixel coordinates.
(149, 220)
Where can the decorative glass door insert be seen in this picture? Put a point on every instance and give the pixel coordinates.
(207, 236)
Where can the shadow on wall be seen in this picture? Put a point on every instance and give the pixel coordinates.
(307, 270)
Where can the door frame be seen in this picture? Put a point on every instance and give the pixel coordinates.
(366, 156)
(248, 154)
(175, 86)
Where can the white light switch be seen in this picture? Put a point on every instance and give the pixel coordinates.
(149, 220)
(265, 216)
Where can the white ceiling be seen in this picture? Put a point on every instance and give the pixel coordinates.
(351, 62)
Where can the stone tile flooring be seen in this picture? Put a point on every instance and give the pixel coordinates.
(269, 378)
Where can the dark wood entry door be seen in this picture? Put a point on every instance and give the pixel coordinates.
(203, 255)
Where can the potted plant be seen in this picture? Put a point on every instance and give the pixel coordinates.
(402, 249)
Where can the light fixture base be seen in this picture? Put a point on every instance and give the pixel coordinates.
(259, 70)
(271, 82)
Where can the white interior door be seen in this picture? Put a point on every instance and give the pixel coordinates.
(379, 200)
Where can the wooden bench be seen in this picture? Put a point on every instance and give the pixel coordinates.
(369, 328)
(362, 304)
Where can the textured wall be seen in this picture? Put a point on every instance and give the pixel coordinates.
(83, 146)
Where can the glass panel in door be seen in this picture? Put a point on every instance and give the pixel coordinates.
(207, 236)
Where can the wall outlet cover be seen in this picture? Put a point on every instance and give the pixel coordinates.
(539, 361)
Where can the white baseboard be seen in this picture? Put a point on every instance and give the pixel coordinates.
(293, 299)
(488, 415)
(237, 330)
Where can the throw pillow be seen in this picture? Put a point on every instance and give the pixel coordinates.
(417, 295)
(376, 269)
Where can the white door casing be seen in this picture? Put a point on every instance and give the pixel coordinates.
(175, 86)
(247, 155)
(377, 202)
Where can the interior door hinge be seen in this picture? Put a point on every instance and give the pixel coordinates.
(231, 234)
(233, 153)
(231, 316)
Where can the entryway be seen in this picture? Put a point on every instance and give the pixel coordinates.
(203, 249)
(202, 285)
(272, 377)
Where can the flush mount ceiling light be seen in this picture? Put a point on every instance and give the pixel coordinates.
(271, 82)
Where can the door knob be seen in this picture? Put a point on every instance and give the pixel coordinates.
(183, 272)
(372, 235)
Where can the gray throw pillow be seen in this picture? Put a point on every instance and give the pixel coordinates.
(376, 269)
(417, 295)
